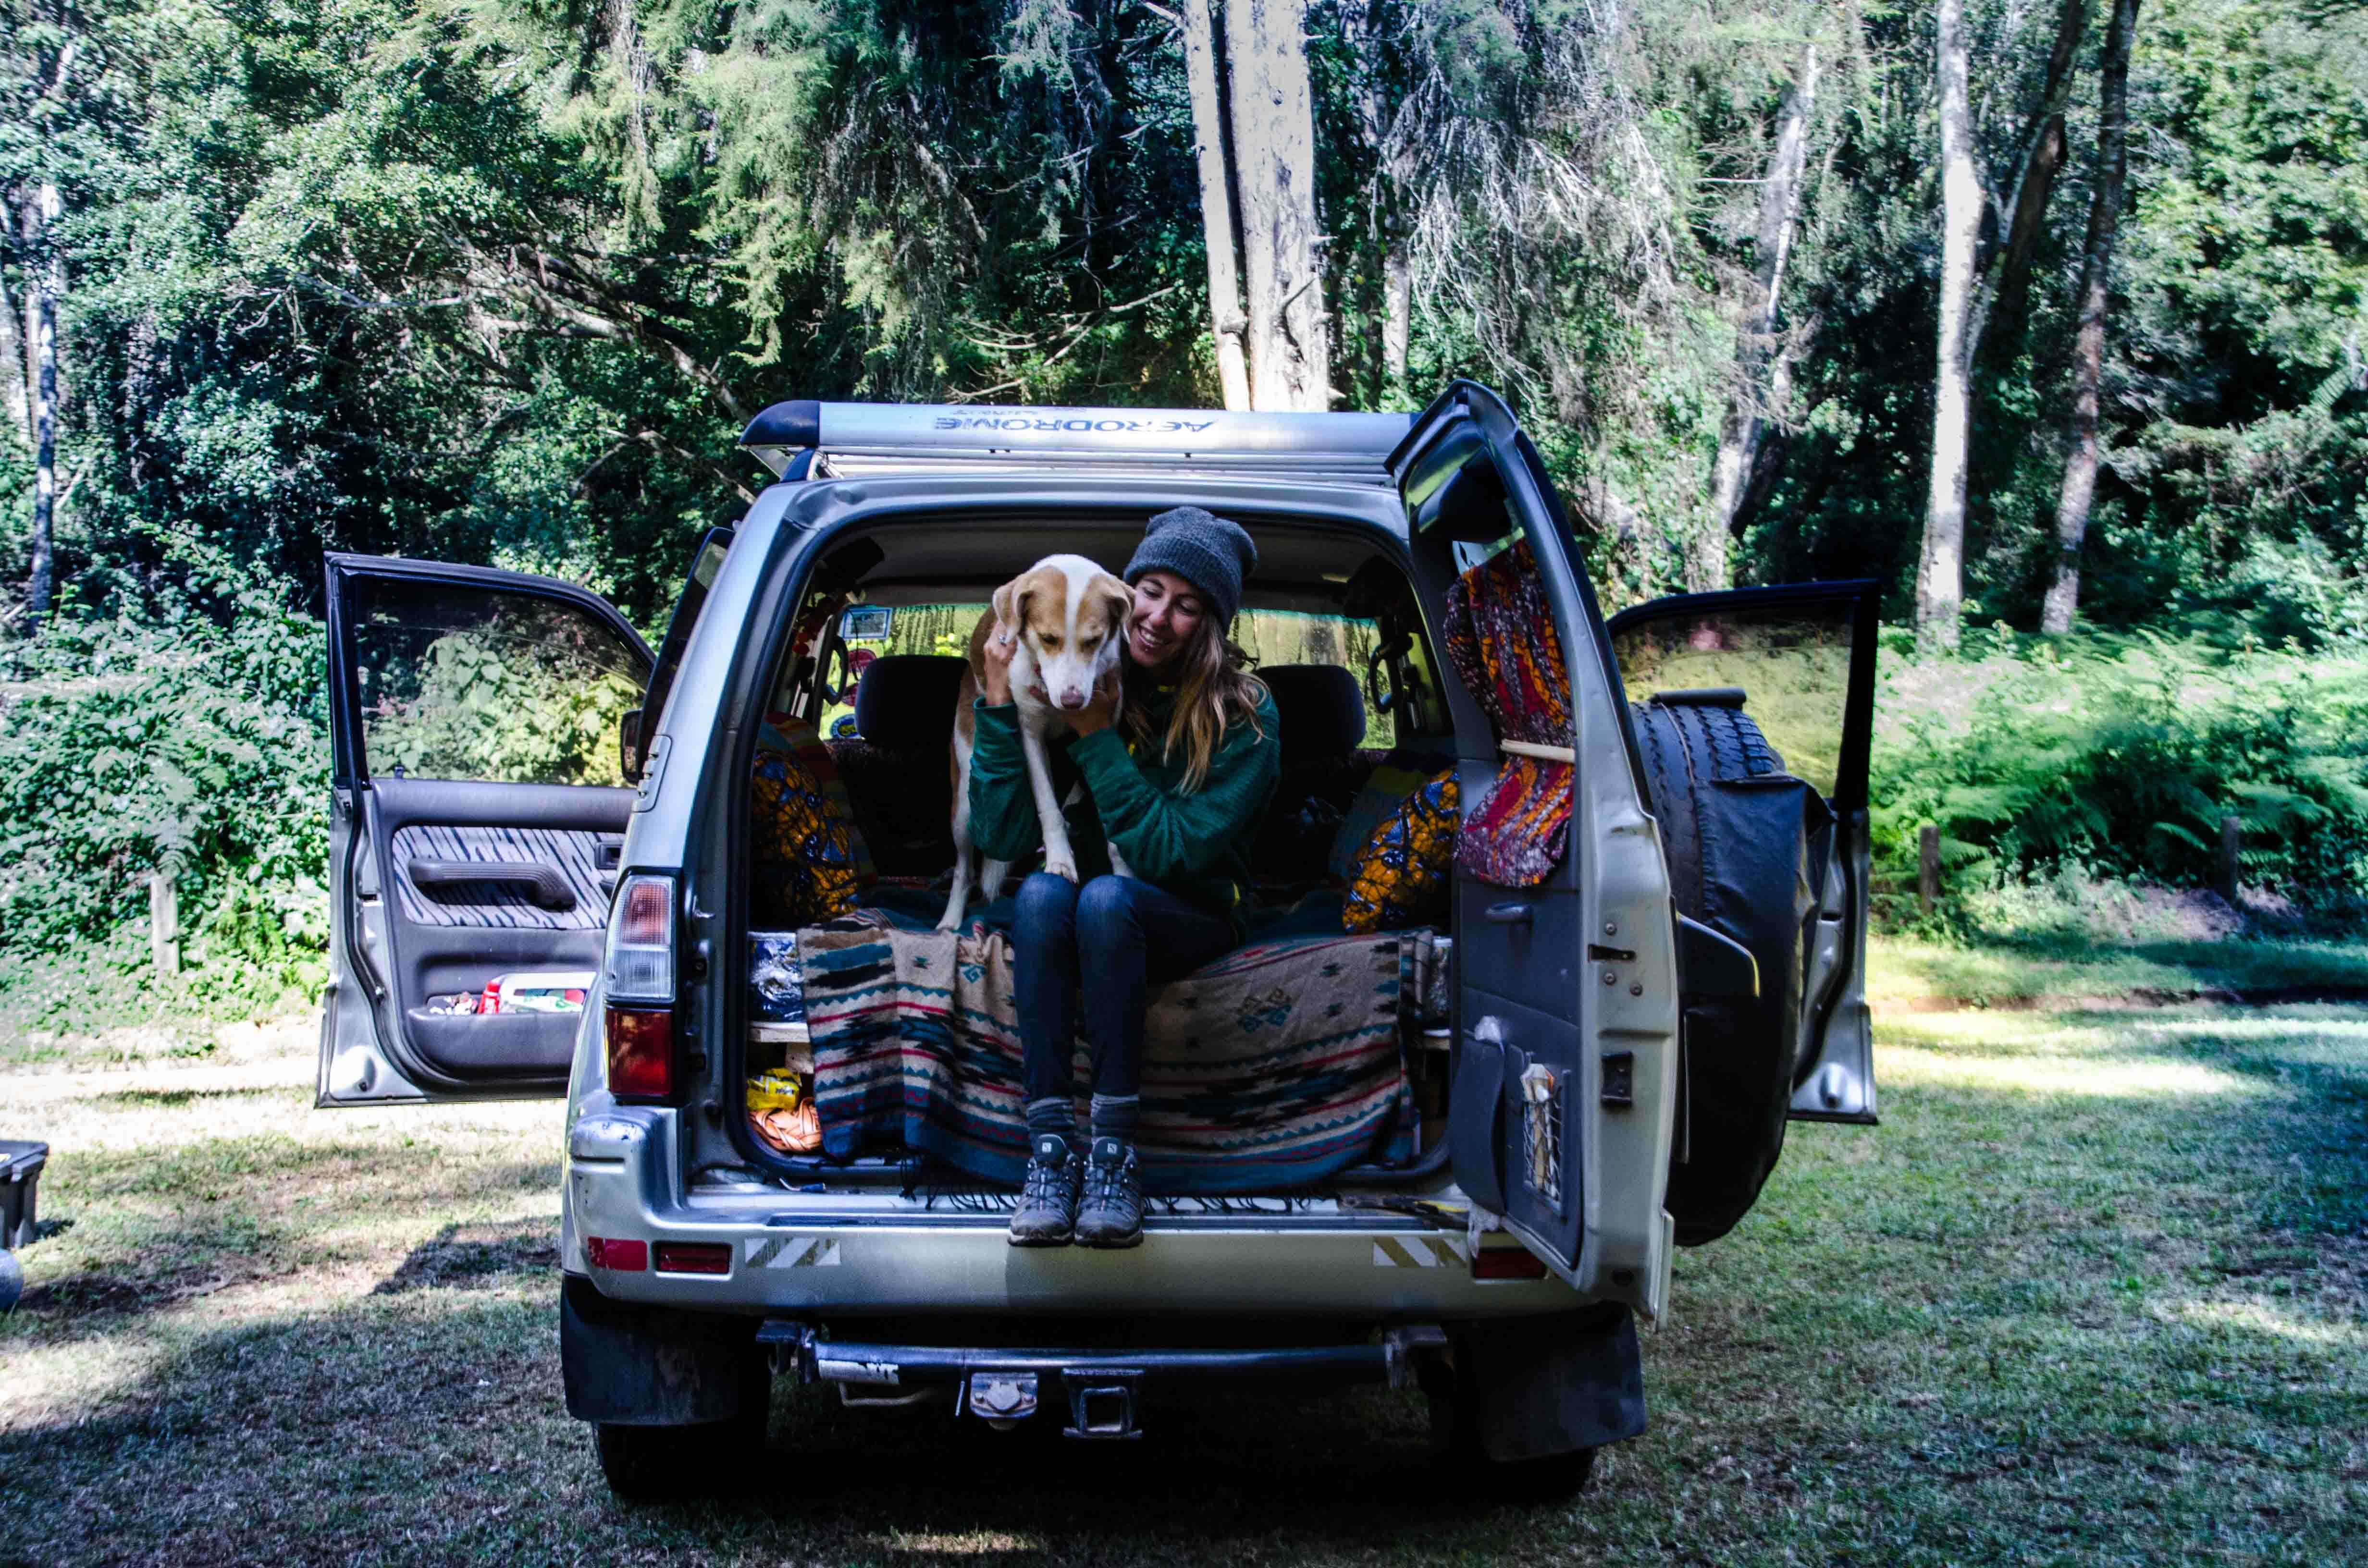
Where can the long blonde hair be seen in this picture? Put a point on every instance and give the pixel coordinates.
(1213, 687)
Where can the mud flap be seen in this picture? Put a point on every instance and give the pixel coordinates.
(631, 1365)
(1531, 1387)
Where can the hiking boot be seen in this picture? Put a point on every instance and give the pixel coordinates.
(1047, 1213)
(1111, 1215)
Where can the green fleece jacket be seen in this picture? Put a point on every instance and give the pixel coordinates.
(1196, 847)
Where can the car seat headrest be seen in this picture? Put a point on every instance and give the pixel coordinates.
(906, 701)
(1321, 709)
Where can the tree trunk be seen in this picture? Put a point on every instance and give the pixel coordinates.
(2088, 348)
(2007, 281)
(16, 371)
(1210, 135)
(1397, 305)
(1739, 438)
(1273, 126)
(44, 284)
(1939, 569)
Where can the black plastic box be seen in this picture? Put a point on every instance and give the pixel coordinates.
(20, 1173)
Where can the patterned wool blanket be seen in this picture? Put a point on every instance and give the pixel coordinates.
(1274, 1067)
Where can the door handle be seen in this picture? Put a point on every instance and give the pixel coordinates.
(550, 888)
(1511, 913)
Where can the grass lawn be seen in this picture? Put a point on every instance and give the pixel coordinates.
(2095, 1292)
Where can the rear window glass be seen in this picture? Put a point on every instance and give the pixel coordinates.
(493, 686)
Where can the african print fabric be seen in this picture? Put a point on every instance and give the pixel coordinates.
(1404, 874)
(1502, 643)
(1276, 1066)
(809, 859)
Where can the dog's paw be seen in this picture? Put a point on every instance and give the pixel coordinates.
(950, 923)
(1061, 866)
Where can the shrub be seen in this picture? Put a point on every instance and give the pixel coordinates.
(185, 747)
(2119, 756)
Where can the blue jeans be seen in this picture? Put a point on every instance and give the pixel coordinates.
(1122, 936)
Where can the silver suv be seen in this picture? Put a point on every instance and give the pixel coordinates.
(526, 794)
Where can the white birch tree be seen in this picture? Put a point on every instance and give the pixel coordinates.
(1939, 569)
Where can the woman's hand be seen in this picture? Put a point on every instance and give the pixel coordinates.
(994, 660)
(1102, 711)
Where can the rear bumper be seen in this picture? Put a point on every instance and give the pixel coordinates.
(840, 1255)
(1098, 1390)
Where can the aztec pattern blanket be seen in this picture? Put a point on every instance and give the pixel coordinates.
(1274, 1067)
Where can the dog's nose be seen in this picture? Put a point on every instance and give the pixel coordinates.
(1071, 701)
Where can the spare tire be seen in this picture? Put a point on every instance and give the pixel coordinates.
(1739, 831)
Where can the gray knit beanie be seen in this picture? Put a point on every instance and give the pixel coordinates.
(1211, 553)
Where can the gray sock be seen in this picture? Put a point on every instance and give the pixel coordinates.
(1115, 1116)
(1053, 1114)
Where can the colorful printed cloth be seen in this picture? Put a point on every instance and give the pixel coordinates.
(1385, 788)
(1274, 1067)
(1502, 643)
(809, 857)
(1402, 877)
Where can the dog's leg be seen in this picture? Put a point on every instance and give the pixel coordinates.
(990, 881)
(965, 856)
(966, 853)
(1059, 859)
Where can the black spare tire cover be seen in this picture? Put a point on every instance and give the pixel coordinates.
(1738, 831)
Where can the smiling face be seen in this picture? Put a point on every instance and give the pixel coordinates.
(1167, 617)
(1071, 615)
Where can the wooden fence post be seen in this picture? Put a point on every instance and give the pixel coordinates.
(1928, 866)
(164, 925)
(2231, 830)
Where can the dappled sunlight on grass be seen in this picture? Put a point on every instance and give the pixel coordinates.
(2064, 1074)
(2259, 1317)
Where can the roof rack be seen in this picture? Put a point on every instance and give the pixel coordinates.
(849, 439)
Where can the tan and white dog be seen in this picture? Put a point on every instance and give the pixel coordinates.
(1070, 619)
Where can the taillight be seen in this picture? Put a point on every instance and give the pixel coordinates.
(638, 983)
(1507, 1263)
(694, 1257)
(603, 1253)
(640, 1052)
(641, 941)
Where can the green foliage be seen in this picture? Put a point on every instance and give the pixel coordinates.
(2118, 756)
(180, 749)
(488, 708)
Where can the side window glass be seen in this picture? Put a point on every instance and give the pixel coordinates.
(1290, 637)
(489, 685)
(1793, 662)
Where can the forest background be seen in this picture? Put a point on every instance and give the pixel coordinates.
(2053, 316)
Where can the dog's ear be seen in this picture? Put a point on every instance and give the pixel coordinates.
(1113, 597)
(1010, 603)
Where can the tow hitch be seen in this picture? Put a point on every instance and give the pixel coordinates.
(1104, 1408)
(1103, 1391)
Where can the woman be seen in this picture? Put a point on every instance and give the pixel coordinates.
(1179, 785)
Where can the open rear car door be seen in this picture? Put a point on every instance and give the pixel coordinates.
(1562, 1103)
(1797, 664)
(479, 809)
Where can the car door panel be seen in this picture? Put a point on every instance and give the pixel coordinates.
(1803, 658)
(1569, 985)
(442, 884)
